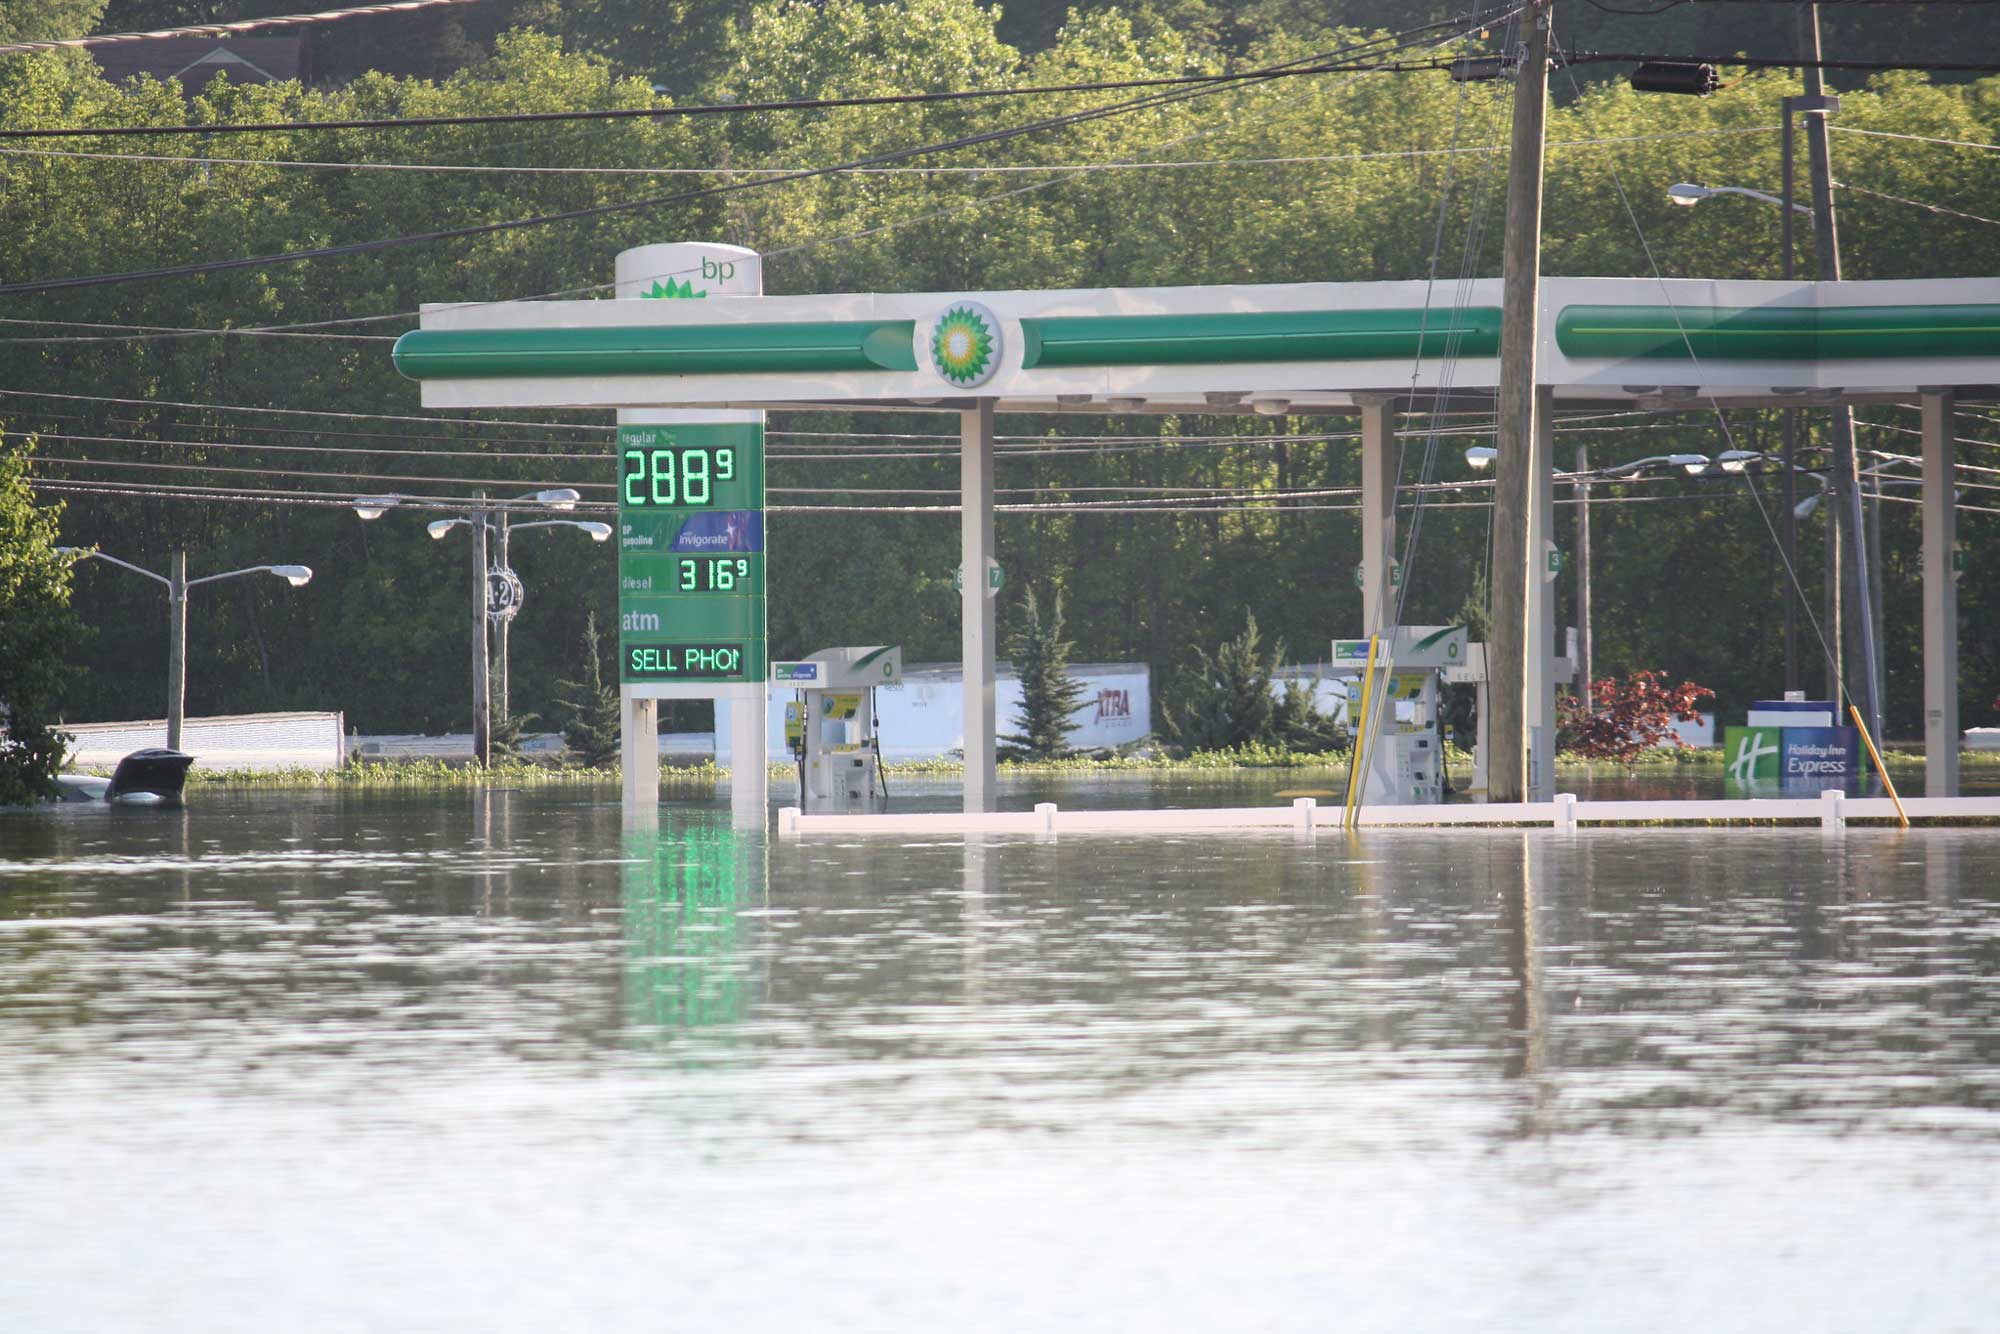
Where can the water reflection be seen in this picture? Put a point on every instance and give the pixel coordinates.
(687, 885)
(429, 1036)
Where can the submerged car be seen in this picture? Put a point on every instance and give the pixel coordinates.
(143, 778)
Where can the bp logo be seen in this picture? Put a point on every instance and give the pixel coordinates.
(965, 344)
(670, 290)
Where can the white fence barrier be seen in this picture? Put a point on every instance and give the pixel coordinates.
(1304, 817)
(239, 741)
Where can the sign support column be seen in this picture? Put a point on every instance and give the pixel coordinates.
(977, 602)
(1940, 600)
(1378, 514)
(691, 551)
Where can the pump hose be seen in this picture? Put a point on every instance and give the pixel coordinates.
(875, 717)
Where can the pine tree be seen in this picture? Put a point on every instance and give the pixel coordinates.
(590, 708)
(1050, 696)
(1225, 700)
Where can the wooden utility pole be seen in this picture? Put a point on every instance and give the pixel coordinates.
(1845, 470)
(177, 647)
(1514, 468)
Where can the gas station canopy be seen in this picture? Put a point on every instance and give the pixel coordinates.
(1274, 349)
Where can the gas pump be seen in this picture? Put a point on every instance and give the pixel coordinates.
(1405, 765)
(831, 728)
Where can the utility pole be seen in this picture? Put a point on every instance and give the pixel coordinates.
(177, 647)
(1583, 576)
(1844, 470)
(1788, 482)
(502, 708)
(482, 699)
(1514, 468)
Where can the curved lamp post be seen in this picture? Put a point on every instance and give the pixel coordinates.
(178, 584)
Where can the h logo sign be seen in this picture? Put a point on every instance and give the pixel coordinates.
(1753, 745)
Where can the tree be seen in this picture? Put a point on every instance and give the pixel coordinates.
(592, 717)
(48, 20)
(36, 626)
(1225, 700)
(1297, 723)
(1630, 717)
(1050, 696)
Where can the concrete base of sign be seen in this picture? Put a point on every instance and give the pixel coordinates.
(1304, 818)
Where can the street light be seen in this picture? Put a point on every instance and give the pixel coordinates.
(1480, 457)
(177, 582)
(1687, 194)
(1692, 464)
(560, 498)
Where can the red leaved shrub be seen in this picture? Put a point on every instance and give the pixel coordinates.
(1630, 717)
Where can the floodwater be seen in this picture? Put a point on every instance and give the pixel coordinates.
(495, 1062)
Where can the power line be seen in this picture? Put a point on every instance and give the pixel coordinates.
(997, 169)
(627, 206)
(228, 29)
(1918, 203)
(1915, 138)
(794, 249)
(1290, 69)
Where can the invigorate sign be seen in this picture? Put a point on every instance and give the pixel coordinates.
(691, 601)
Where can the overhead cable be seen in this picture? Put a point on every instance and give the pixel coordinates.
(231, 29)
(999, 135)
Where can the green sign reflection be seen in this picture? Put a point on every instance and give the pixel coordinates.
(687, 965)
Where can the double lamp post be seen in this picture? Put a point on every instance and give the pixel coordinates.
(496, 589)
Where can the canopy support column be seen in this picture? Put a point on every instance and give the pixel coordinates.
(639, 751)
(1541, 686)
(977, 601)
(1940, 600)
(1378, 514)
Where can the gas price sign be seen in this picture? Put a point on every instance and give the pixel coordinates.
(691, 554)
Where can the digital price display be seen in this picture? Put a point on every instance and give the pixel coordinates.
(691, 595)
(685, 662)
(711, 574)
(684, 477)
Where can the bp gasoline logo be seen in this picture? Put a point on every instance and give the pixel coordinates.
(965, 344)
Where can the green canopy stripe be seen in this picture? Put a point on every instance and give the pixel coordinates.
(1287, 335)
(697, 349)
(1779, 333)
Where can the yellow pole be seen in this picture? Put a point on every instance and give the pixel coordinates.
(1880, 768)
(1354, 774)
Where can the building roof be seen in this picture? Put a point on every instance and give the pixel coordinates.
(196, 60)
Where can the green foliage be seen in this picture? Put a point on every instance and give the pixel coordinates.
(1297, 723)
(590, 710)
(1050, 696)
(1224, 700)
(506, 734)
(48, 20)
(35, 627)
(1355, 197)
